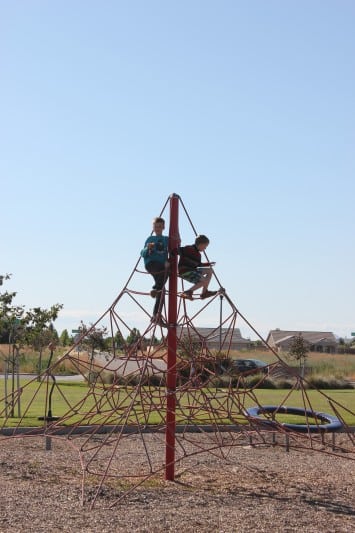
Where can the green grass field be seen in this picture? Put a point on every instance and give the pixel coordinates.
(71, 401)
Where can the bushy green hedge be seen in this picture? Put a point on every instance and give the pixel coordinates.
(246, 382)
(329, 382)
(317, 382)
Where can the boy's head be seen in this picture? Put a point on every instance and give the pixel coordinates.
(158, 225)
(201, 242)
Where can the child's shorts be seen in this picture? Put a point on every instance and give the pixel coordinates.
(193, 277)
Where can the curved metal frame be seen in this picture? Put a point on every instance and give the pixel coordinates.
(332, 422)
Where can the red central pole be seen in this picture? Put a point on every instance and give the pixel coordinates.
(174, 242)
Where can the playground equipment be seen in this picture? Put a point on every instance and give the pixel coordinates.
(164, 390)
(328, 422)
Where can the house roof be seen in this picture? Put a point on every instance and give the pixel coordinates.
(213, 334)
(279, 336)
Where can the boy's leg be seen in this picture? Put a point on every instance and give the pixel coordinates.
(159, 284)
(160, 274)
(207, 275)
(192, 277)
(160, 280)
(204, 275)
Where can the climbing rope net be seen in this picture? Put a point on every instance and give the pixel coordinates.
(118, 421)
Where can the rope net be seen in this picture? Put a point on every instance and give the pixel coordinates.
(121, 404)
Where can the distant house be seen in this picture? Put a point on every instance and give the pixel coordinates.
(216, 338)
(318, 341)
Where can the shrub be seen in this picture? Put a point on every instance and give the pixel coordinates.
(264, 384)
(283, 383)
(156, 381)
(328, 382)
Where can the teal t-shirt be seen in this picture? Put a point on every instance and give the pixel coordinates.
(159, 252)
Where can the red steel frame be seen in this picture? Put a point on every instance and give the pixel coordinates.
(174, 241)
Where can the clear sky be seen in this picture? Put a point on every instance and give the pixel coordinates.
(245, 109)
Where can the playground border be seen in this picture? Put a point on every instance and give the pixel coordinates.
(92, 429)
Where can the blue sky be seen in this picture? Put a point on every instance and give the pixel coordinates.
(243, 109)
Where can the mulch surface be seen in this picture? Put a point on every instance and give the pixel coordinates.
(252, 489)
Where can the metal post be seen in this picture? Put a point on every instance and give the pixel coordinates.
(49, 417)
(12, 411)
(6, 376)
(174, 241)
(18, 381)
(220, 322)
(333, 441)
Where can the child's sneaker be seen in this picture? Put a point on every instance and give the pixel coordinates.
(154, 293)
(208, 294)
(187, 295)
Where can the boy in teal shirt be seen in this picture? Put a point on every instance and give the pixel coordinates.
(155, 255)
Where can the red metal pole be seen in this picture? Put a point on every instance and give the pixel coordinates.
(174, 242)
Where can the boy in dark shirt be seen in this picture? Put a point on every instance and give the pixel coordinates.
(193, 270)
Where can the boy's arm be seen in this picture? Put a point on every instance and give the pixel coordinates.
(187, 259)
(176, 251)
(146, 248)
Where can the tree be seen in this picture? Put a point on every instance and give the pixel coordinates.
(64, 338)
(10, 315)
(133, 337)
(11, 332)
(298, 351)
(39, 329)
(119, 341)
(93, 339)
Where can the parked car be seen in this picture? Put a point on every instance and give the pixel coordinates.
(252, 366)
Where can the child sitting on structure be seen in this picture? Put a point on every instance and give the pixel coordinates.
(193, 270)
(155, 255)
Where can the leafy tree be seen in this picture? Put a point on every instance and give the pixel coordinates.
(155, 340)
(64, 338)
(119, 340)
(298, 351)
(10, 315)
(189, 347)
(4, 276)
(93, 339)
(39, 329)
(133, 337)
(257, 343)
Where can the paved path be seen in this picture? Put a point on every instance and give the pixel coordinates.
(75, 377)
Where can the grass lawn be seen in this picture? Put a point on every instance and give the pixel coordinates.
(70, 402)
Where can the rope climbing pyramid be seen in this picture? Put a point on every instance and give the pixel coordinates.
(169, 391)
